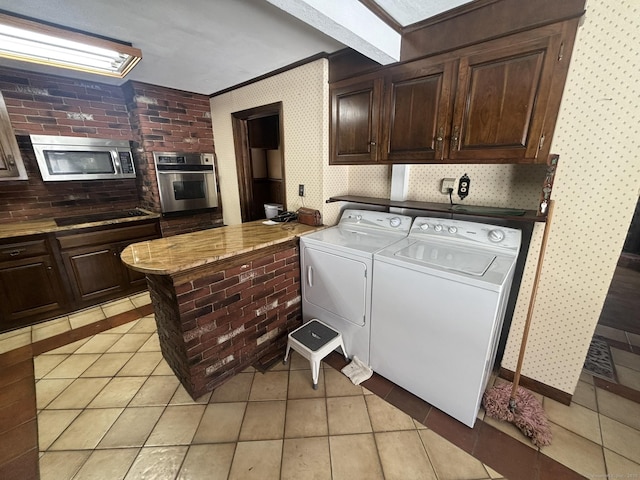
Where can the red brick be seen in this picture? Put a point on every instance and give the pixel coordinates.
(208, 279)
(211, 299)
(262, 261)
(274, 266)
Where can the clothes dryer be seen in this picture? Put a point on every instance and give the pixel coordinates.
(337, 269)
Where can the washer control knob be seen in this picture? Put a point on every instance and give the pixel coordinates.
(496, 236)
(424, 226)
(358, 218)
(438, 228)
(395, 222)
(453, 230)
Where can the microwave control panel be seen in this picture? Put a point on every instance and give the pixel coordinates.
(126, 162)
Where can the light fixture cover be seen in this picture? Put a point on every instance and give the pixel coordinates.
(30, 41)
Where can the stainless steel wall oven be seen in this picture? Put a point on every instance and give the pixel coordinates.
(186, 181)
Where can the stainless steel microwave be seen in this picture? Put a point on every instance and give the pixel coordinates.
(79, 158)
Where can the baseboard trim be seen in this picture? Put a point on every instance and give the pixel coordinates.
(538, 387)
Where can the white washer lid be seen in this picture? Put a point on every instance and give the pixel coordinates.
(362, 241)
(454, 258)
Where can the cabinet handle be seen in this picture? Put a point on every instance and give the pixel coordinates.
(455, 137)
(11, 161)
(439, 139)
(373, 144)
(14, 253)
(49, 268)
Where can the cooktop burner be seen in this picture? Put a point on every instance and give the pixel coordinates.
(97, 217)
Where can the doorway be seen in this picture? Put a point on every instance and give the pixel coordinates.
(257, 134)
(621, 310)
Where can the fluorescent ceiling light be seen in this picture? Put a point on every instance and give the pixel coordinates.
(30, 41)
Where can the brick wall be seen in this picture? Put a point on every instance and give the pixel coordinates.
(167, 120)
(154, 118)
(34, 199)
(192, 223)
(222, 318)
(51, 105)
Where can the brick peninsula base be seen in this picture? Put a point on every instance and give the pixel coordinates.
(216, 320)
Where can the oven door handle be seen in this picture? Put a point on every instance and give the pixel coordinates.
(173, 172)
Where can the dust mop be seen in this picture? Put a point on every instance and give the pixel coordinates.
(509, 401)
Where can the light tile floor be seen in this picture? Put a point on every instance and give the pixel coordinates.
(110, 403)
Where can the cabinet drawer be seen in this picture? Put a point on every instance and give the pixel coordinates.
(14, 251)
(101, 237)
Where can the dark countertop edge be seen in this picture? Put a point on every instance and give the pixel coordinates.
(529, 216)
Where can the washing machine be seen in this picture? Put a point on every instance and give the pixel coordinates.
(439, 299)
(337, 269)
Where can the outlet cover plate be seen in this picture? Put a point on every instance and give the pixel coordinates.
(447, 183)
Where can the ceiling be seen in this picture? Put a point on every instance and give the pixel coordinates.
(201, 46)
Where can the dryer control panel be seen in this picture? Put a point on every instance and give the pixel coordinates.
(381, 221)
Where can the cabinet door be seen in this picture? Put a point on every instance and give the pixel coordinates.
(355, 120)
(30, 290)
(417, 106)
(134, 281)
(501, 102)
(95, 272)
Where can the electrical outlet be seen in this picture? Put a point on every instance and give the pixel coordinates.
(301, 190)
(447, 183)
(463, 186)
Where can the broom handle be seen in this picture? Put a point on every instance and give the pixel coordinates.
(532, 301)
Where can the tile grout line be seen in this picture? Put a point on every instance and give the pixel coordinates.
(326, 411)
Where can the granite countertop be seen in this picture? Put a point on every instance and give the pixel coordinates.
(48, 225)
(166, 256)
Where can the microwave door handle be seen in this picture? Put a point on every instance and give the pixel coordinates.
(117, 168)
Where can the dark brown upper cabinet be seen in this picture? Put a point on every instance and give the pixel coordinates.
(355, 120)
(494, 102)
(501, 102)
(416, 111)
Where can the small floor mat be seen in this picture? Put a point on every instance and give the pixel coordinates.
(599, 361)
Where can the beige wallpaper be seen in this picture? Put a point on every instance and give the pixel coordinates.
(516, 186)
(596, 190)
(305, 95)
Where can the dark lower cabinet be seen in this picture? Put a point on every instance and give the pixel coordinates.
(42, 276)
(92, 262)
(31, 289)
(95, 273)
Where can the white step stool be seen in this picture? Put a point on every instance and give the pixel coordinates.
(314, 340)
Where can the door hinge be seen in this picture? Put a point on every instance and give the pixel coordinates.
(561, 52)
(541, 143)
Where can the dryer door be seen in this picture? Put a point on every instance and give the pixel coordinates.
(336, 284)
